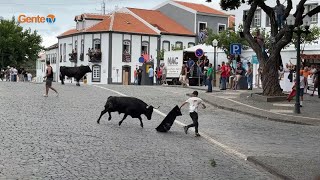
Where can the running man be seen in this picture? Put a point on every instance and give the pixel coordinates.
(49, 79)
(194, 103)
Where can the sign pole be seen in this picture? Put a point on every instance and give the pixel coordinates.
(198, 70)
(199, 53)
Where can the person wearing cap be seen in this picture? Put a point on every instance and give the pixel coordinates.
(194, 103)
(249, 75)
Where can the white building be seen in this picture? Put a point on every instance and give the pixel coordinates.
(51, 56)
(119, 39)
(41, 67)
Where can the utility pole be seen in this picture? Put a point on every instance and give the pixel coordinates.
(104, 7)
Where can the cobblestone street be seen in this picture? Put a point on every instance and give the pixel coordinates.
(58, 138)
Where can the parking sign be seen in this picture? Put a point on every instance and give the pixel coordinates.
(235, 48)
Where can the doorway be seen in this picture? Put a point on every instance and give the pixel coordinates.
(126, 75)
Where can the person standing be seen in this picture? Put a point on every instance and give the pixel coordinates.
(191, 64)
(151, 73)
(139, 75)
(316, 81)
(279, 9)
(29, 77)
(194, 103)
(209, 78)
(135, 75)
(224, 76)
(249, 75)
(164, 74)
(15, 74)
(49, 79)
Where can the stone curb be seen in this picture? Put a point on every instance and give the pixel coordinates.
(268, 168)
(254, 115)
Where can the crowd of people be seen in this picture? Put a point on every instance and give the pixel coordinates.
(13, 74)
(160, 74)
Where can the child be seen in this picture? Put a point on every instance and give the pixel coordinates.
(194, 102)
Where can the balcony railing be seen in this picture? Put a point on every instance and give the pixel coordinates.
(73, 56)
(94, 55)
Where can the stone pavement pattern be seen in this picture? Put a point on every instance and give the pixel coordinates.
(254, 137)
(58, 138)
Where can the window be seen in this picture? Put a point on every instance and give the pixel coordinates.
(166, 45)
(97, 44)
(76, 46)
(221, 27)
(127, 46)
(191, 44)
(309, 7)
(60, 52)
(179, 45)
(202, 26)
(126, 55)
(256, 21)
(257, 18)
(145, 47)
(96, 73)
(268, 23)
(82, 46)
(64, 52)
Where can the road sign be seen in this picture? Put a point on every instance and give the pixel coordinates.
(199, 53)
(235, 48)
(141, 60)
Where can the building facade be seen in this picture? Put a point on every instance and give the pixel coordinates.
(112, 44)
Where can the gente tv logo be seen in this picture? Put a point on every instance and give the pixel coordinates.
(22, 18)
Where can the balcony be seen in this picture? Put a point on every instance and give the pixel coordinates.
(94, 55)
(73, 56)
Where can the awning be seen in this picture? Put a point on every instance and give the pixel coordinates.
(310, 56)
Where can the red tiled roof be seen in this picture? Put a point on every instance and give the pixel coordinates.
(69, 32)
(201, 8)
(101, 26)
(124, 22)
(120, 22)
(161, 21)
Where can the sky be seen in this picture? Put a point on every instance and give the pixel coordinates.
(65, 11)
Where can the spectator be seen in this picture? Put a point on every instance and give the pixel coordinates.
(224, 75)
(209, 78)
(279, 9)
(135, 75)
(164, 74)
(191, 64)
(158, 75)
(29, 77)
(151, 73)
(139, 74)
(249, 75)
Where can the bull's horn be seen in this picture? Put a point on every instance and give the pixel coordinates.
(147, 106)
(157, 107)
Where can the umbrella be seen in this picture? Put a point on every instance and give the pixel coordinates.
(169, 119)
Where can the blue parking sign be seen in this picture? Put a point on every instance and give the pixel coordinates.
(235, 49)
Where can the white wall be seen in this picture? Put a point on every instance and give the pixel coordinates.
(90, 23)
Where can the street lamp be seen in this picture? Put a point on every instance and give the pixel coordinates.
(214, 44)
(298, 31)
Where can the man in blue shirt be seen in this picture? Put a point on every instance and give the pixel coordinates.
(151, 74)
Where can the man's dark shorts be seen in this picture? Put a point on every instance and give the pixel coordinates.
(49, 82)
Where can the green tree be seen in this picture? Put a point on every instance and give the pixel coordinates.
(225, 38)
(18, 46)
(279, 39)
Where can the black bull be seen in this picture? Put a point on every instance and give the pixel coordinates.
(76, 72)
(129, 106)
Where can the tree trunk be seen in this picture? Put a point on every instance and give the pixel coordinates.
(270, 79)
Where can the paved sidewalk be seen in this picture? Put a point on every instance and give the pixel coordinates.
(242, 102)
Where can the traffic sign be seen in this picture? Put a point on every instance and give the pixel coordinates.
(199, 53)
(235, 48)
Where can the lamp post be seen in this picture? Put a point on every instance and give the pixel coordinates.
(298, 31)
(214, 44)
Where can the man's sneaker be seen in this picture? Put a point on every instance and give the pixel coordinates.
(45, 95)
(197, 134)
(185, 129)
